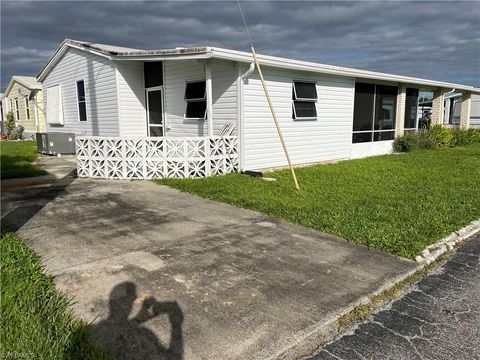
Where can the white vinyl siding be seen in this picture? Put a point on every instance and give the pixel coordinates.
(131, 98)
(328, 138)
(224, 94)
(475, 112)
(100, 93)
(176, 75)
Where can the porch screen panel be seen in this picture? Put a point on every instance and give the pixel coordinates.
(385, 101)
(411, 109)
(363, 107)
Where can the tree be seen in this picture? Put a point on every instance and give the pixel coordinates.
(10, 123)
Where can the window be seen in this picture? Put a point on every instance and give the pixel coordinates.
(17, 110)
(195, 96)
(153, 74)
(411, 109)
(374, 113)
(82, 105)
(304, 96)
(27, 108)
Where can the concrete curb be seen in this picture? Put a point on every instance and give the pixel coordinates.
(28, 181)
(329, 329)
(433, 251)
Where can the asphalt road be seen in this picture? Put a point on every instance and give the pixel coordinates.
(438, 319)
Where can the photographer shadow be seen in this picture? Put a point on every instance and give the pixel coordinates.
(128, 338)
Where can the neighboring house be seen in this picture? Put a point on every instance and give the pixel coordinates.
(453, 110)
(23, 97)
(326, 112)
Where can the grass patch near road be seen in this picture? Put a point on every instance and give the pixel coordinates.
(395, 203)
(36, 320)
(16, 159)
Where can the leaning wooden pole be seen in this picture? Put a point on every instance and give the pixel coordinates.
(279, 131)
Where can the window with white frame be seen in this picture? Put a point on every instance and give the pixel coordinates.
(195, 96)
(304, 96)
(27, 108)
(17, 110)
(82, 105)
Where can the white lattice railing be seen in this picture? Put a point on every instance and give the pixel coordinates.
(155, 157)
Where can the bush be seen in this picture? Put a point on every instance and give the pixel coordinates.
(9, 123)
(434, 137)
(441, 136)
(465, 137)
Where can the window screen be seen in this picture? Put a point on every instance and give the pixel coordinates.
(82, 106)
(195, 96)
(363, 107)
(411, 106)
(385, 106)
(374, 112)
(304, 95)
(305, 90)
(196, 109)
(195, 90)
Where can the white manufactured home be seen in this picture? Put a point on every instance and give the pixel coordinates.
(119, 99)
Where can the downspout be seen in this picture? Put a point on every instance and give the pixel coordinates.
(248, 72)
(242, 79)
(443, 105)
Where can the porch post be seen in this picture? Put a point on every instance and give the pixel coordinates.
(208, 89)
(465, 110)
(437, 107)
(400, 116)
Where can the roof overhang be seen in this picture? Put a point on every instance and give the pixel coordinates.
(19, 80)
(244, 57)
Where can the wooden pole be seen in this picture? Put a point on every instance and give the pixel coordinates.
(279, 131)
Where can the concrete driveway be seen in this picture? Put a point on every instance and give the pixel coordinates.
(167, 275)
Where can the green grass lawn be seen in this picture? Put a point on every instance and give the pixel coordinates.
(16, 159)
(36, 321)
(395, 203)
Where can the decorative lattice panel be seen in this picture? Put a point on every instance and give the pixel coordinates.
(153, 158)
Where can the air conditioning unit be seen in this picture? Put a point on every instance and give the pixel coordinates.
(56, 143)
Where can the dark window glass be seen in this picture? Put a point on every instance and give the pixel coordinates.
(196, 109)
(27, 108)
(156, 131)
(363, 107)
(411, 102)
(362, 137)
(155, 113)
(383, 135)
(304, 109)
(305, 90)
(82, 111)
(385, 105)
(153, 74)
(82, 105)
(80, 90)
(195, 90)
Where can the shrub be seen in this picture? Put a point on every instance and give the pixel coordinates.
(441, 136)
(9, 123)
(435, 136)
(17, 133)
(405, 143)
(463, 137)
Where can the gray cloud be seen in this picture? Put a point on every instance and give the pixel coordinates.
(435, 40)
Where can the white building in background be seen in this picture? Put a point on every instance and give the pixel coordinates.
(326, 112)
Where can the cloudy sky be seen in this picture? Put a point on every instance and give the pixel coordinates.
(436, 40)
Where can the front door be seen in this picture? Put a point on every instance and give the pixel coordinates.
(155, 112)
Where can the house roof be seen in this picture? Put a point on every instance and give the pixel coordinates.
(205, 52)
(30, 82)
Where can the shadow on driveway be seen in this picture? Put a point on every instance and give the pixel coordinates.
(128, 338)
